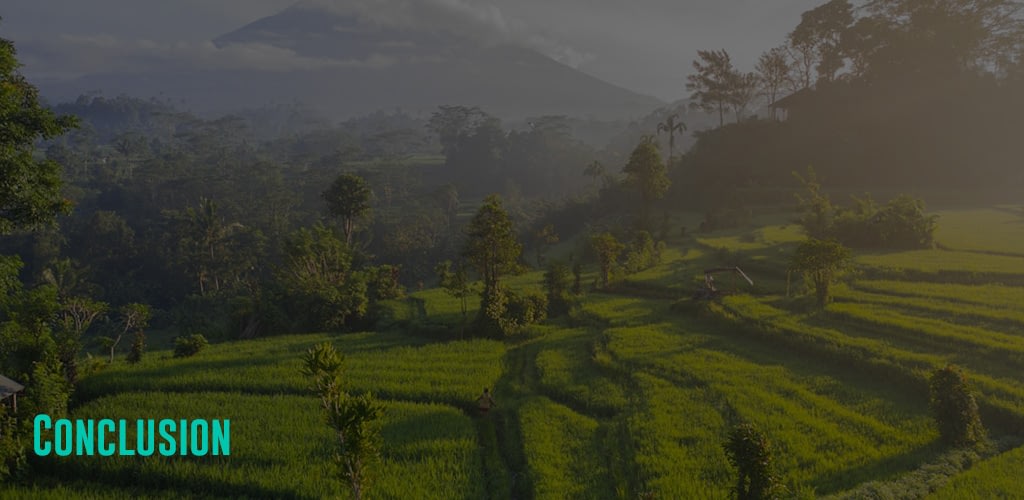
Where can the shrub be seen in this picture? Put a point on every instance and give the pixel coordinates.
(643, 253)
(954, 407)
(900, 224)
(384, 283)
(749, 451)
(189, 345)
(527, 308)
(607, 249)
(138, 346)
(557, 282)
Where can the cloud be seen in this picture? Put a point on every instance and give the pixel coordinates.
(482, 22)
(65, 56)
(74, 55)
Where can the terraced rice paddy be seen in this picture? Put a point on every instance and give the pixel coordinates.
(632, 396)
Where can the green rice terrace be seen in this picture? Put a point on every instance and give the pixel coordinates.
(632, 396)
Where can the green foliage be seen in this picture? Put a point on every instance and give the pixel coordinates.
(492, 247)
(671, 126)
(189, 345)
(46, 391)
(577, 278)
(354, 419)
(749, 451)
(138, 348)
(13, 447)
(318, 281)
(900, 224)
(491, 244)
(75, 317)
(557, 283)
(348, 198)
(821, 262)
(456, 284)
(816, 209)
(132, 316)
(36, 198)
(647, 171)
(526, 308)
(643, 252)
(25, 321)
(954, 407)
(542, 239)
(608, 249)
(713, 85)
(493, 319)
(384, 284)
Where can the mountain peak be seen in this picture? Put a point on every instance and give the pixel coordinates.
(413, 55)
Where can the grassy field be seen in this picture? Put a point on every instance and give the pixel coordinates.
(632, 396)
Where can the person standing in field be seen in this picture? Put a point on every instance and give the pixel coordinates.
(485, 402)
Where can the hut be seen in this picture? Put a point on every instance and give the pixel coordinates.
(10, 389)
(797, 102)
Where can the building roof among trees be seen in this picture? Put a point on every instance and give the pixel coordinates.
(793, 100)
(9, 387)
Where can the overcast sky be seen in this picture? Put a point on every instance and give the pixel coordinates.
(643, 45)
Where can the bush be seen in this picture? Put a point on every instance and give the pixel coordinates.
(384, 283)
(954, 407)
(557, 281)
(900, 224)
(138, 347)
(189, 345)
(643, 252)
(749, 451)
(527, 308)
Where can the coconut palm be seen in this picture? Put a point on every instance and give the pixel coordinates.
(671, 126)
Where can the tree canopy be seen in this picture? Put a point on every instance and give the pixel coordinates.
(30, 188)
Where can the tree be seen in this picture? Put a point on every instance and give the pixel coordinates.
(452, 123)
(318, 281)
(820, 33)
(491, 245)
(743, 92)
(493, 249)
(557, 281)
(354, 419)
(801, 64)
(712, 85)
(608, 250)
(456, 283)
(816, 209)
(138, 347)
(821, 262)
(348, 198)
(773, 71)
(954, 407)
(932, 39)
(74, 318)
(542, 239)
(133, 316)
(749, 451)
(205, 244)
(648, 173)
(30, 194)
(670, 126)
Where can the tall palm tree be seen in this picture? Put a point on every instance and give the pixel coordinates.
(671, 126)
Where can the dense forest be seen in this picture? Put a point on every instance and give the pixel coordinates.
(122, 215)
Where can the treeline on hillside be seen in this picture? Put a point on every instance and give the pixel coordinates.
(905, 93)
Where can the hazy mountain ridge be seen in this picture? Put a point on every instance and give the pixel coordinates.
(354, 66)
